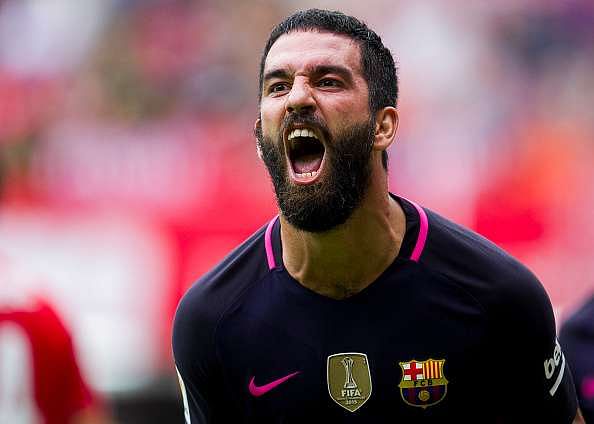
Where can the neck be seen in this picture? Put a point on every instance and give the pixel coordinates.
(343, 261)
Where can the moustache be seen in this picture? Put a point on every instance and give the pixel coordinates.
(311, 121)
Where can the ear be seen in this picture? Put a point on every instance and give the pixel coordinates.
(386, 124)
(258, 128)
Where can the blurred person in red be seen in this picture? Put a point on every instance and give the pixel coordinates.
(40, 380)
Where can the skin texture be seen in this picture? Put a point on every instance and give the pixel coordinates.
(344, 260)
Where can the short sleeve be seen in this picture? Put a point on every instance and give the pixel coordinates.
(210, 394)
(194, 403)
(59, 365)
(201, 381)
(75, 393)
(192, 351)
(577, 340)
(534, 381)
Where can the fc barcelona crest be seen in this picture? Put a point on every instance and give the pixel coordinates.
(423, 383)
(349, 380)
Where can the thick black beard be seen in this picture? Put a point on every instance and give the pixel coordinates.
(331, 200)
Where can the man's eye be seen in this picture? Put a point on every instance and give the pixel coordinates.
(279, 87)
(328, 82)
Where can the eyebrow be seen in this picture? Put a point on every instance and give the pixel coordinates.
(276, 73)
(315, 70)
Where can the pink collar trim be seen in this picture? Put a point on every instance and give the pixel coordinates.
(415, 256)
(268, 244)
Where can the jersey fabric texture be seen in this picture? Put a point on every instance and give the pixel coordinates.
(454, 330)
(577, 339)
(58, 390)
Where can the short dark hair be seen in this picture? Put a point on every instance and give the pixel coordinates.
(377, 63)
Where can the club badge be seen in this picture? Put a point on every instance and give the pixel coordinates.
(349, 379)
(423, 383)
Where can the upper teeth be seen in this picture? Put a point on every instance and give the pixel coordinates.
(301, 132)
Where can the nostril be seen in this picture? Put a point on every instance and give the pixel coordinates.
(300, 109)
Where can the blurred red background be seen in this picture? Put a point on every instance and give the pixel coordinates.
(128, 164)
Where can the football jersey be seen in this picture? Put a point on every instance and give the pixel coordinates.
(577, 339)
(40, 381)
(454, 330)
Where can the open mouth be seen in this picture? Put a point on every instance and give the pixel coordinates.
(305, 154)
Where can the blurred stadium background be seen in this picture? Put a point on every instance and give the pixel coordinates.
(128, 165)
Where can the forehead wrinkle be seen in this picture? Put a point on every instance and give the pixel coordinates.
(334, 49)
(313, 70)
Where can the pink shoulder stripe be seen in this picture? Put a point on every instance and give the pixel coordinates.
(268, 244)
(424, 224)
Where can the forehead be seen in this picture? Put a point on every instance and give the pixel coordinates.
(299, 50)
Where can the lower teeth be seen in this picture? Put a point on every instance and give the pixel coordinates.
(307, 174)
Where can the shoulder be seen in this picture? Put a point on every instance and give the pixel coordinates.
(577, 332)
(491, 275)
(38, 319)
(196, 321)
(520, 320)
(203, 305)
(582, 320)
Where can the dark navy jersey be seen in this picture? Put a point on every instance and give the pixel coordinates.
(577, 339)
(454, 330)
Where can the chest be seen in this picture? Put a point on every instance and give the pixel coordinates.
(395, 354)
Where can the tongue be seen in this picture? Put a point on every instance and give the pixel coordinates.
(307, 163)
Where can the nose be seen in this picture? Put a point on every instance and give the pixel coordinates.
(300, 98)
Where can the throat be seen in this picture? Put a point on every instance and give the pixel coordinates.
(342, 262)
(334, 273)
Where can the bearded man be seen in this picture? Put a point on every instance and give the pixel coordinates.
(356, 305)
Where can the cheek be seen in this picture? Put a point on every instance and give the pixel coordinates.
(339, 119)
(339, 111)
(271, 115)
